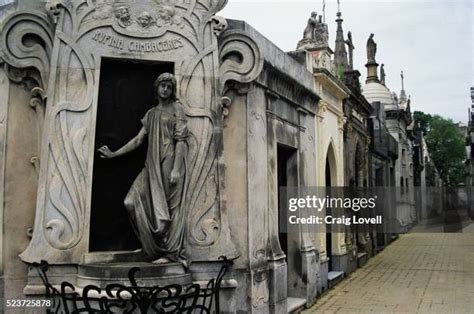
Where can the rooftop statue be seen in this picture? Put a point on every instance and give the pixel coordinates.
(351, 47)
(310, 27)
(371, 49)
(315, 34)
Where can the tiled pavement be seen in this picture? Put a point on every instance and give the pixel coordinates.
(418, 273)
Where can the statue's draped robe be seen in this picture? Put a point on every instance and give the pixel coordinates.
(309, 30)
(157, 214)
(371, 49)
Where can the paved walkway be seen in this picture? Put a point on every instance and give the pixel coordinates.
(418, 273)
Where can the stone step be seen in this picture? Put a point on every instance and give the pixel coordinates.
(362, 258)
(102, 274)
(334, 277)
(295, 305)
(379, 249)
(114, 257)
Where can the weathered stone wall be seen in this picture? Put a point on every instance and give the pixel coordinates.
(405, 212)
(21, 180)
(276, 109)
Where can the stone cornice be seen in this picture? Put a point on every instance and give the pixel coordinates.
(328, 80)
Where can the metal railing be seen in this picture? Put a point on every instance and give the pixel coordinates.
(119, 298)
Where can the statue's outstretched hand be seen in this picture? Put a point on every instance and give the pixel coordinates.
(174, 176)
(105, 152)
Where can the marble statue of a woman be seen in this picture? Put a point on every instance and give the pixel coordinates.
(371, 49)
(154, 201)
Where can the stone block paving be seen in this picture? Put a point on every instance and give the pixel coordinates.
(418, 273)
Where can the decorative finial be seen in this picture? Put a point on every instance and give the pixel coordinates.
(382, 74)
(338, 6)
(403, 95)
(324, 11)
(340, 54)
(403, 78)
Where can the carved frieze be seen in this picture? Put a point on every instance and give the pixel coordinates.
(324, 61)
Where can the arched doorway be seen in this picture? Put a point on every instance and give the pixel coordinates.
(330, 181)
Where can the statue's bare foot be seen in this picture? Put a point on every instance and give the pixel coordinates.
(162, 260)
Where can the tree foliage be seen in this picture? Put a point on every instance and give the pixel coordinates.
(422, 121)
(445, 145)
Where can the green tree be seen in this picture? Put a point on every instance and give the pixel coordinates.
(423, 121)
(445, 145)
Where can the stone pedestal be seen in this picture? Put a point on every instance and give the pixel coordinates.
(278, 287)
(323, 284)
(340, 262)
(372, 72)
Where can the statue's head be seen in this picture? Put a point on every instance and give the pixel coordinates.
(123, 13)
(168, 91)
(144, 19)
(314, 14)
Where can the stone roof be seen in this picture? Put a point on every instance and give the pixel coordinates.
(374, 91)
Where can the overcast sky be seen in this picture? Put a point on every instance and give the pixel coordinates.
(431, 41)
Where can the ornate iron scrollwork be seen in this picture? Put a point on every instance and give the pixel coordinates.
(119, 298)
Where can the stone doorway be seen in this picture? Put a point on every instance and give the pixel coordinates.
(330, 181)
(328, 212)
(125, 95)
(289, 242)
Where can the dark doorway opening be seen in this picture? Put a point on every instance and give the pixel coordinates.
(289, 242)
(392, 176)
(358, 165)
(125, 95)
(328, 212)
(287, 172)
(379, 177)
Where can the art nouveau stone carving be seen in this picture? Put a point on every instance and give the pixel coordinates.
(248, 63)
(31, 81)
(86, 32)
(27, 42)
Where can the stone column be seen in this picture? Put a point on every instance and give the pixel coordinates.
(4, 96)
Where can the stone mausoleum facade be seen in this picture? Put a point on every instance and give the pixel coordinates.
(76, 76)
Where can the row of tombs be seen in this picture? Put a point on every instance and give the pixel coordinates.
(230, 120)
